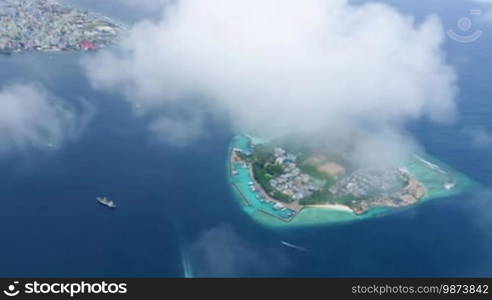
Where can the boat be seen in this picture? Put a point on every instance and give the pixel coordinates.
(278, 206)
(449, 185)
(106, 202)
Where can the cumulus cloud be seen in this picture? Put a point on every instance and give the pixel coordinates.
(31, 117)
(278, 67)
(479, 137)
(221, 252)
(178, 131)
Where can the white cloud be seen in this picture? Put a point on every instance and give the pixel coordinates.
(479, 137)
(286, 66)
(177, 131)
(31, 117)
(222, 252)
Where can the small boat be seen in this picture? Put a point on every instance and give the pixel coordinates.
(106, 202)
(449, 185)
(278, 206)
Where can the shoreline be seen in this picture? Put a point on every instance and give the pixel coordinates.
(256, 185)
(329, 213)
(329, 206)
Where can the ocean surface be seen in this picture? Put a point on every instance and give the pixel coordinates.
(176, 212)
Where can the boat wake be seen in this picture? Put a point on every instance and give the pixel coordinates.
(430, 165)
(299, 248)
(187, 271)
(450, 183)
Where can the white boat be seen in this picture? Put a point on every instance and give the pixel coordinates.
(278, 206)
(449, 185)
(106, 202)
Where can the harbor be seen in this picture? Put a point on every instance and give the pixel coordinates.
(251, 193)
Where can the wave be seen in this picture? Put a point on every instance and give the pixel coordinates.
(430, 165)
(187, 271)
(293, 246)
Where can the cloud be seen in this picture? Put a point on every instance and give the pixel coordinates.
(479, 137)
(31, 118)
(278, 67)
(178, 131)
(221, 252)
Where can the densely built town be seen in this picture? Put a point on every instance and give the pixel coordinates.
(293, 183)
(46, 25)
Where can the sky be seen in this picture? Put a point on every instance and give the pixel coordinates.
(487, 14)
(323, 68)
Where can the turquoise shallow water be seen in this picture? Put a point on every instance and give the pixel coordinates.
(250, 199)
(433, 173)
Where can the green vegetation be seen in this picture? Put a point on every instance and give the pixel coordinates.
(274, 170)
(282, 197)
(262, 153)
(264, 169)
(262, 177)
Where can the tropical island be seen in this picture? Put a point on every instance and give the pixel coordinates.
(278, 181)
(46, 25)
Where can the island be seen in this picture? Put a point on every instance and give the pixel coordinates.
(279, 183)
(46, 25)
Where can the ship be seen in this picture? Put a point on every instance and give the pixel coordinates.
(106, 202)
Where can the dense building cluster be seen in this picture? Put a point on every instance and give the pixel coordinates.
(293, 183)
(46, 25)
(365, 183)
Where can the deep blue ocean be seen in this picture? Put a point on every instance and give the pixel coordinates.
(176, 207)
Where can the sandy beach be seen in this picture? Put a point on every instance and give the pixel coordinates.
(339, 207)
